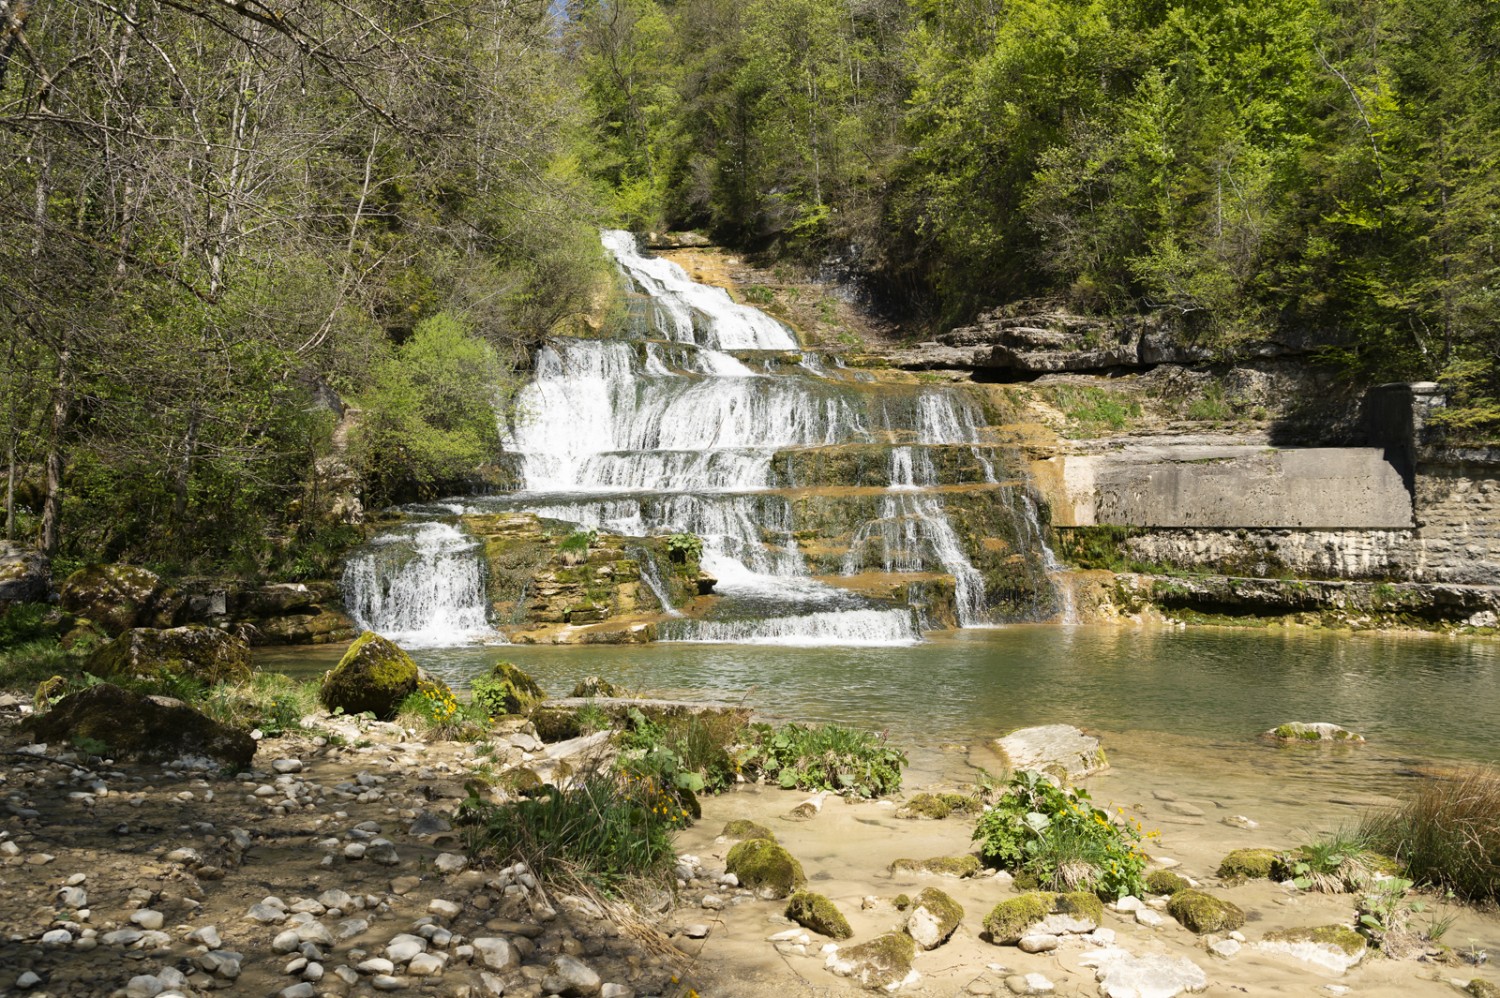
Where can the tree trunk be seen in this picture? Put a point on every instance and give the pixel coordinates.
(52, 504)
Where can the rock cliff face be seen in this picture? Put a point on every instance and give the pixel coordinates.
(1025, 341)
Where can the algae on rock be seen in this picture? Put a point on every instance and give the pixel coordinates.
(1201, 912)
(744, 828)
(933, 918)
(1008, 921)
(1247, 864)
(880, 964)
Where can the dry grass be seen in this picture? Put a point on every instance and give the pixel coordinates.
(1448, 833)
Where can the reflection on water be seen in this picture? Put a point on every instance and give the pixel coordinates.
(1413, 697)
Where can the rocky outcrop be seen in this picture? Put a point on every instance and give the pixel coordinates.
(147, 728)
(24, 577)
(374, 675)
(195, 652)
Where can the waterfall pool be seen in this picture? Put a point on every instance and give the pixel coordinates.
(1198, 695)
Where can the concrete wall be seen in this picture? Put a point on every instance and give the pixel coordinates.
(1160, 483)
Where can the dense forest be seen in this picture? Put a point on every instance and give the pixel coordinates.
(224, 221)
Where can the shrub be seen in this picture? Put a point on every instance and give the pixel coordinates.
(505, 690)
(688, 753)
(823, 757)
(605, 830)
(1447, 833)
(439, 713)
(684, 548)
(1337, 863)
(1059, 837)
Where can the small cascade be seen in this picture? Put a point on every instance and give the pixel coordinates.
(421, 584)
(651, 576)
(1068, 608)
(912, 534)
(864, 628)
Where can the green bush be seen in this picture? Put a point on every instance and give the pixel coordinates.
(689, 753)
(605, 830)
(441, 715)
(1447, 833)
(823, 757)
(505, 690)
(684, 548)
(1059, 837)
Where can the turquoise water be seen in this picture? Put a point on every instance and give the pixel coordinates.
(1413, 697)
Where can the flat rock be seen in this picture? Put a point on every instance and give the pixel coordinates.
(1122, 974)
(1059, 750)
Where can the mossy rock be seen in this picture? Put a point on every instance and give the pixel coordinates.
(1008, 921)
(938, 806)
(1081, 904)
(1201, 912)
(933, 918)
(744, 828)
(506, 689)
(962, 867)
(1341, 936)
(1300, 731)
(119, 597)
(1166, 882)
(882, 963)
(1248, 864)
(816, 912)
(135, 726)
(761, 864)
(901, 902)
(206, 654)
(555, 724)
(1480, 988)
(374, 676)
(593, 686)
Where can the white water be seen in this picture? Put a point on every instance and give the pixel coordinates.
(421, 586)
(863, 628)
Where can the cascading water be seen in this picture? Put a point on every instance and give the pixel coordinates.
(421, 584)
(691, 420)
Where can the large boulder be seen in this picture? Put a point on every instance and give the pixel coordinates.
(119, 597)
(1060, 751)
(507, 690)
(129, 725)
(197, 652)
(374, 675)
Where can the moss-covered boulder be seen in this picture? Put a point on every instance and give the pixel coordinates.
(766, 867)
(962, 867)
(933, 918)
(206, 654)
(816, 912)
(593, 686)
(374, 675)
(1247, 864)
(554, 723)
(506, 689)
(1166, 882)
(119, 597)
(1083, 905)
(1481, 988)
(937, 806)
(1334, 948)
(880, 964)
(1008, 921)
(127, 725)
(744, 828)
(25, 577)
(1201, 912)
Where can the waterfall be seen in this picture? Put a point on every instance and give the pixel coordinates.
(682, 421)
(651, 576)
(419, 585)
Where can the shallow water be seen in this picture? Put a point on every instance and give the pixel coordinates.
(1209, 690)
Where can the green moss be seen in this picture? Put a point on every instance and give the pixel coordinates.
(1166, 882)
(761, 863)
(555, 724)
(743, 828)
(946, 913)
(1480, 988)
(1247, 864)
(948, 866)
(816, 912)
(1201, 912)
(205, 654)
(507, 690)
(1081, 904)
(938, 806)
(1345, 938)
(883, 961)
(1008, 921)
(901, 901)
(374, 675)
(593, 686)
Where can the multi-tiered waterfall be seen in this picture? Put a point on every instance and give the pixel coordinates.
(824, 497)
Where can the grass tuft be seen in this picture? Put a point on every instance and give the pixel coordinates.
(1447, 834)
